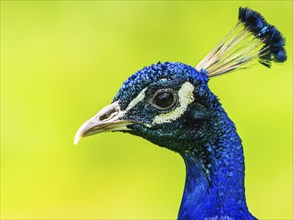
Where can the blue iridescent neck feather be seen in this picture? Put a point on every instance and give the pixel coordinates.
(214, 185)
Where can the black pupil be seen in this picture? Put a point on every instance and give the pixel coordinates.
(164, 99)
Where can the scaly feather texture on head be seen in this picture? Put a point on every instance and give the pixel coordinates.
(154, 73)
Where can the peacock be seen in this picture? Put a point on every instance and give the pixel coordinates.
(171, 105)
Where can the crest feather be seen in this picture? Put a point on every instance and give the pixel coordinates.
(251, 40)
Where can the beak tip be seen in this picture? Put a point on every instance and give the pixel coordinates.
(77, 139)
(80, 133)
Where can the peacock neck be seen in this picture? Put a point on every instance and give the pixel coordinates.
(214, 186)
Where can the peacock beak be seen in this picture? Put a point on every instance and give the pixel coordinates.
(110, 118)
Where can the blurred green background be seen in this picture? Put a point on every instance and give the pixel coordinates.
(62, 61)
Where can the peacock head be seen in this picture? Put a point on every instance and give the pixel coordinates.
(166, 103)
(171, 105)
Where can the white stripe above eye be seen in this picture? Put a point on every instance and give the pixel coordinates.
(185, 96)
(136, 100)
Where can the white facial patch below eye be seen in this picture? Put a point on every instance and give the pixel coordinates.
(185, 96)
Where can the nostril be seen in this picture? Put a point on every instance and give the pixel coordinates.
(108, 115)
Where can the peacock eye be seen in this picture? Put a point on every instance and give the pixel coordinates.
(164, 99)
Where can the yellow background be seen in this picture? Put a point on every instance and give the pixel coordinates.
(62, 61)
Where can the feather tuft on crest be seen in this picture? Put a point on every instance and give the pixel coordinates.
(251, 40)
